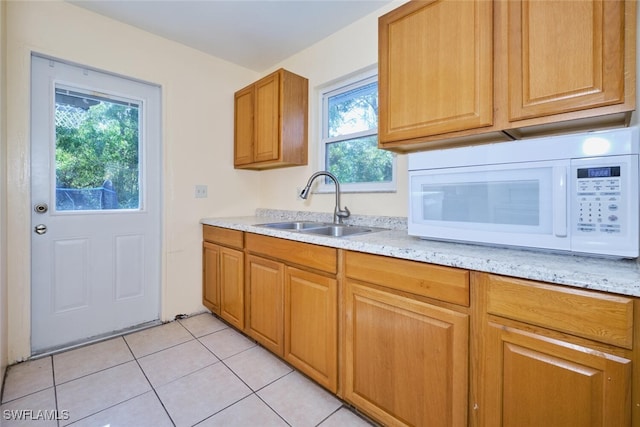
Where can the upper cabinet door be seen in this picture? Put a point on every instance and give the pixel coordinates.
(435, 69)
(564, 56)
(267, 118)
(243, 129)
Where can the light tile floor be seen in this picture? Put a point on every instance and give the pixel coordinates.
(195, 371)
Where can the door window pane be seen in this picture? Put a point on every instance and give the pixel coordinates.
(97, 152)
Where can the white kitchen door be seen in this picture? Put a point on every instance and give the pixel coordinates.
(95, 193)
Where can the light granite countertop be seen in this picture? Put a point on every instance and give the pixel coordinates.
(609, 275)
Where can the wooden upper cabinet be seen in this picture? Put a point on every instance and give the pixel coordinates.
(271, 122)
(435, 69)
(564, 56)
(465, 72)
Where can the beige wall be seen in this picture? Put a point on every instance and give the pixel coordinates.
(345, 52)
(3, 241)
(197, 129)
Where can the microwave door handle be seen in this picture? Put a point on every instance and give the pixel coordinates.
(560, 201)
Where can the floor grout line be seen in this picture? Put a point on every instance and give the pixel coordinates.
(155, 392)
(137, 359)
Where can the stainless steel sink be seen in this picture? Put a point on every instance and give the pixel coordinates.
(294, 225)
(340, 230)
(321, 228)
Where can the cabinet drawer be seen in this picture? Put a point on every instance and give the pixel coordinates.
(433, 281)
(305, 254)
(223, 236)
(600, 317)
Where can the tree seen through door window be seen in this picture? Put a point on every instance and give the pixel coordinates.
(97, 146)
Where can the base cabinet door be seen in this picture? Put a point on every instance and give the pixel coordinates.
(211, 276)
(223, 282)
(232, 286)
(406, 361)
(265, 290)
(311, 325)
(537, 381)
(223, 273)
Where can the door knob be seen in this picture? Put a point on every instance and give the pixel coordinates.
(41, 208)
(40, 229)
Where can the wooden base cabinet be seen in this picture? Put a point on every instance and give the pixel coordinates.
(311, 325)
(405, 359)
(416, 344)
(293, 304)
(539, 382)
(211, 276)
(223, 274)
(265, 282)
(554, 356)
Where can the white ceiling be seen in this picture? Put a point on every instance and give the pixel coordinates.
(253, 34)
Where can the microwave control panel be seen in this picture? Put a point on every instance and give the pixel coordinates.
(599, 200)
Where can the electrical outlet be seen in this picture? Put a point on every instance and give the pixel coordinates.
(201, 191)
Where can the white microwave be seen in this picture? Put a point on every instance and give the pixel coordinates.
(574, 193)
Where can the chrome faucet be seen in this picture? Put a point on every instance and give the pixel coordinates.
(338, 214)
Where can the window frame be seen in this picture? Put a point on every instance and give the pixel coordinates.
(335, 87)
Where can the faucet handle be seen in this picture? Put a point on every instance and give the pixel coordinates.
(343, 213)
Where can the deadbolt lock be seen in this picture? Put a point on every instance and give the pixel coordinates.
(41, 208)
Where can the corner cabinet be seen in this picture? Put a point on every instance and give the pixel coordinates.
(406, 341)
(459, 73)
(271, 122)
(223, 273)
(554, 356)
